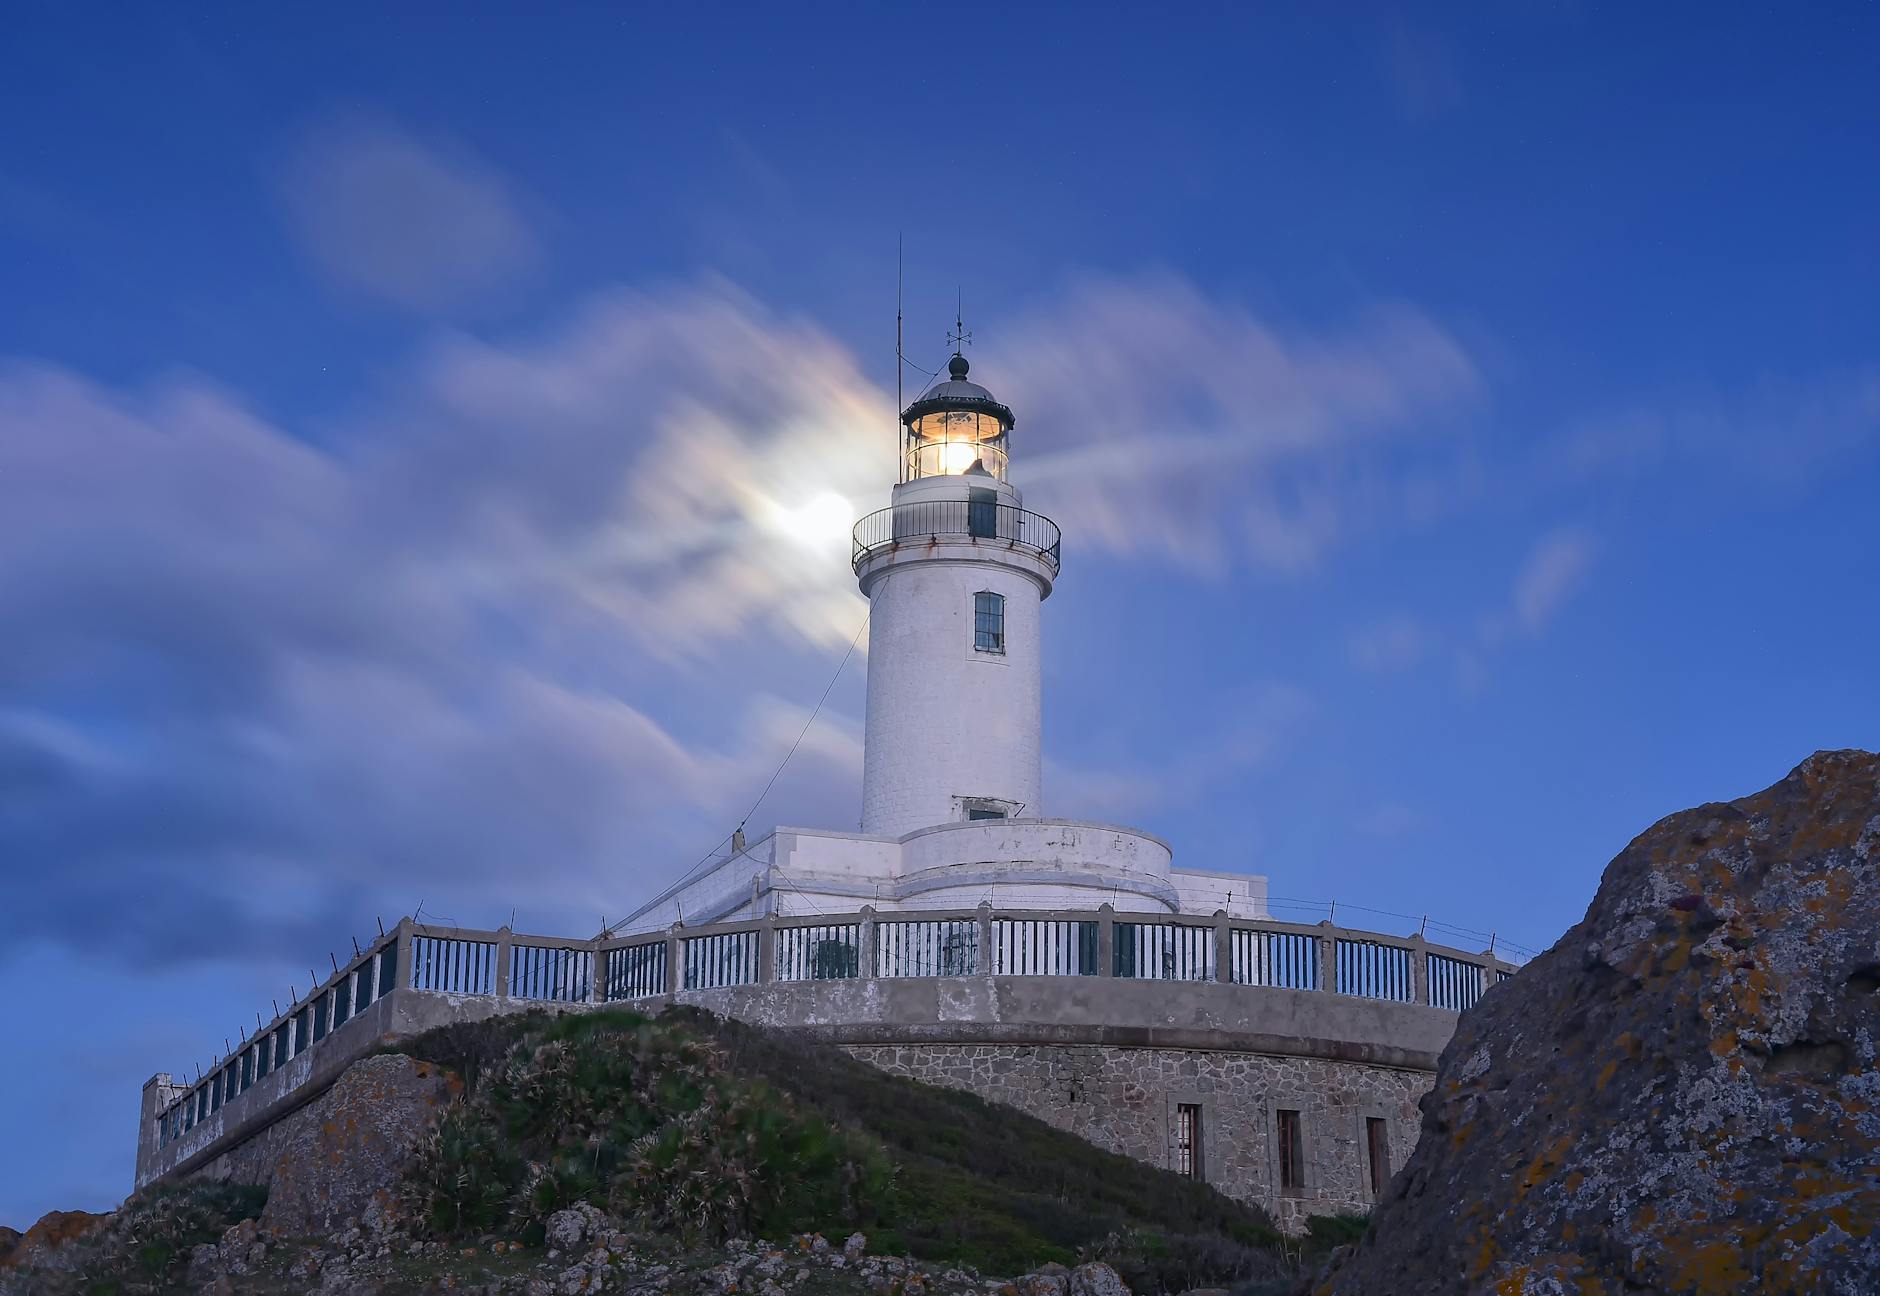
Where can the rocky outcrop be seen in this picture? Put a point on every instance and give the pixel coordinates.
(45, 1244)
(1680, 1096)
(349, 1147)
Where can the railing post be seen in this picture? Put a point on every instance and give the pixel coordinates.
(504, 948)
(985, 938)
(675, 947)
(597, 971)
(865, 951)
(1223, 948)
(1419, 969)
(1328, 956)
(767, 950)
(402, 969)
(1106, 939)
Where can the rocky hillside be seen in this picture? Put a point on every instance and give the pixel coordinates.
(1682, 1095)
(609, 1152)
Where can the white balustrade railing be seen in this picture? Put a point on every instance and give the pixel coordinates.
(1044, 947)
(1374, 969)
(1244, 952)
(719, 961)
(930, 947)
(1163, 951)
(1282, 959)
(1454, 984)
(824, 953)
(636, 971)
(562, 973)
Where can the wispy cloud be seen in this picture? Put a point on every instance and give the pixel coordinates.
(1394, 644)
(1552, 572)
(553, 610)
(421, 223)
(1168, 424)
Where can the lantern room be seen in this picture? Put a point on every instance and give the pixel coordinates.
(955, 428)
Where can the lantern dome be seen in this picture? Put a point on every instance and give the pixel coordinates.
(955, 427)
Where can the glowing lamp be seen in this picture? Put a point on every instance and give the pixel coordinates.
(955, 427)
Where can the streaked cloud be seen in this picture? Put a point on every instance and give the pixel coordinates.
(1394, 644)
(1551, 573)
(554, 609)
(423, 224)
(1171, 425)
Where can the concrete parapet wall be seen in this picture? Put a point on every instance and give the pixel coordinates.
(1094, 1011)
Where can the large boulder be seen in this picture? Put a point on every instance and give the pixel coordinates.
(355, 1144)
(1682, 1094)
(48, 1243)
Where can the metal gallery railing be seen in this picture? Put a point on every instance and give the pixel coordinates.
(1257, 953)
(987, 521)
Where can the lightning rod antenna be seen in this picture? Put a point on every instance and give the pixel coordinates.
(899, 403)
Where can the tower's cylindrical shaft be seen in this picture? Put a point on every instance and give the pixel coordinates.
(954, 706)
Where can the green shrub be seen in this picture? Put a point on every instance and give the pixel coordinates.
(145, 1247)
(641, 1117)
(710, 1128)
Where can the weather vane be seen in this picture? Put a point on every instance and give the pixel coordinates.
(959, 338)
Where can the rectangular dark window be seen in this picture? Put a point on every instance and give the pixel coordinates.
(388, 964)
(280, 1046)
(303, 1030)
(319, 1019)
(989, 622)
(974, 813)
(342, 1002)
(264, 1052)
(364, 996)
(215, 1093)
(982, 514)
(1377, 1145)
(1292, 1152)
(1188, 1140)
(248, 1069)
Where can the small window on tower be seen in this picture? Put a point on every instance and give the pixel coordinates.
(989, 622)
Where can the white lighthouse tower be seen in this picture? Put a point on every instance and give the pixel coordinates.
(955, 570)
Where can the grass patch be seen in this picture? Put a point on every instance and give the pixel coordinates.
(639, 1117)
(146, 1245)
(691, 1122)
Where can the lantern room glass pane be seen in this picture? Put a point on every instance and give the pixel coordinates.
(949, 442)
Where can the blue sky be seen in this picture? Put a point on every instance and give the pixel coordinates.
(1465, 426)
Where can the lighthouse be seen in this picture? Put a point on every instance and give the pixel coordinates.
(956, 571)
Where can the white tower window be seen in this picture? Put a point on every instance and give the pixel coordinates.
(989, 622)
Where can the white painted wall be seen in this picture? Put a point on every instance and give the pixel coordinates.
(944, 720)
(1202, 891)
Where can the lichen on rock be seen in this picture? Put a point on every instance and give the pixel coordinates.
(1681, 1096)
(351, 1155)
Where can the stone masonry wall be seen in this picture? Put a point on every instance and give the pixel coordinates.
(1124, 1100)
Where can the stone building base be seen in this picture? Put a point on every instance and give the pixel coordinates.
(1125, 1100)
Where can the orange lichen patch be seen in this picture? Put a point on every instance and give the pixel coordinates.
(1712, 1267)
(1606, 1073)
(54, 1229)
